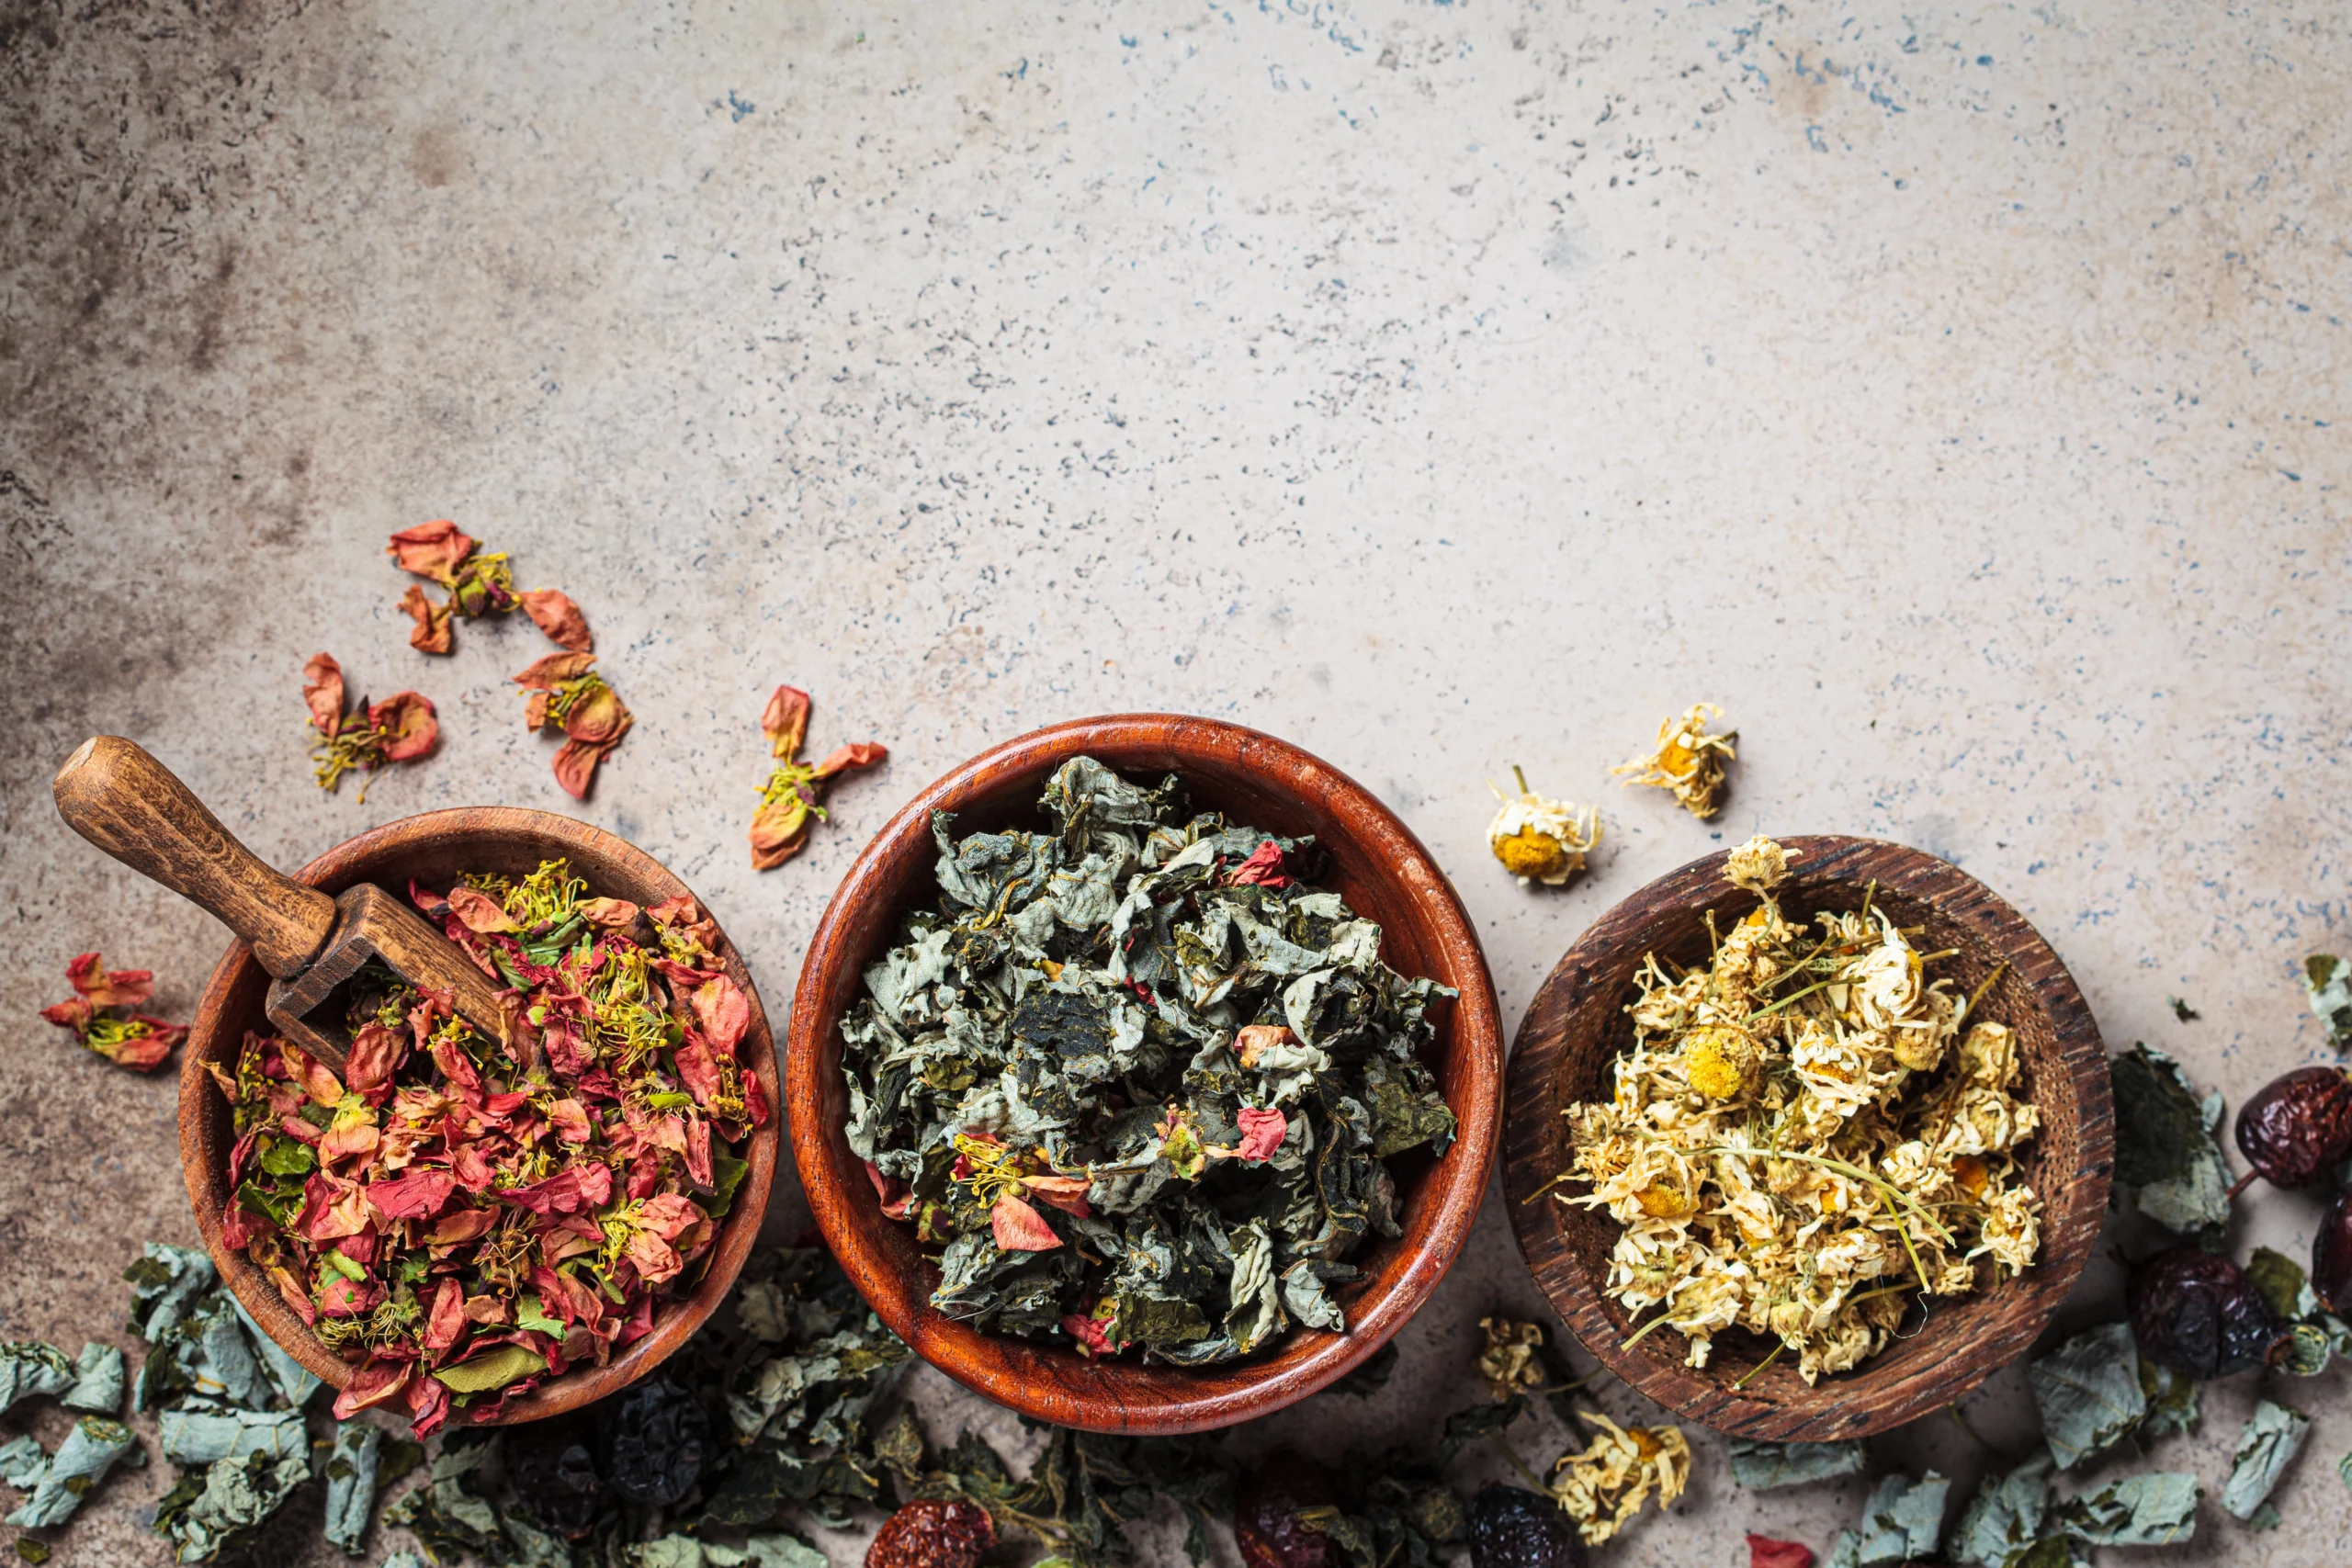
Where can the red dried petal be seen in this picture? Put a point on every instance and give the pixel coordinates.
(447, 1322)
(1765, 1553)
(1261, 1133)
(431, 633)
(847, 758)
(1020, 1228)
(1263, 869)
(147, 1052)
(1067, 1193)
(556, 669)
(74, 1014)
(376, 1053)
(103, 988)
(575, 766)
(609, 914)
(785, 721)
(405, 725)
(418, 1193)
(431, 549)
(597, 717)
(724, 1012)
(375, 1383)
(779, 831)
(480, 911)
(553, 613)
(322, 692)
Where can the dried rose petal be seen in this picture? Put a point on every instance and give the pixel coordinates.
(142, 1053)
(404, 724)
(609, 914)
(1067, 1193)
(723, 1011)
(1020, 1228)
(575, 766)
(597, 717)
(431, 633)
(844, 759)
(322, 692)
(553, 613)
(1262, 869)
(1261, 1133)
(1765, 1553)
(785, 721)
(375, 1383)
(480, 911)
(554, 669)
(104, 988)
(780, 831)
(431, 549)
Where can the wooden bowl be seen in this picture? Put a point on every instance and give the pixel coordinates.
(1577, 1026)
(434, 847)
(1384, 875)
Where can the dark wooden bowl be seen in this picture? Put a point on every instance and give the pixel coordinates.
(433, 848)
(1384, 875)
(1577, 1026)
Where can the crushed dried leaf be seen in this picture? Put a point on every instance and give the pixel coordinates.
(104, 1015)
(789, 801)
(1511, 1363)
(1687, 761)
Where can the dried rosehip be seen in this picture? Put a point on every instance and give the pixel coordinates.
(656, 1436)
(1265, 1513)
(2332, 1256)
(1513, 1528)
(2297, 1127)
(933, 1534)
(2199, 1314)
(554, 1475)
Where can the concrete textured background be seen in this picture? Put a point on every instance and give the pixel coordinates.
(1955, 395)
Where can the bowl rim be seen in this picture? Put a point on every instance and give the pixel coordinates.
(1865, 1400)
(739, 1232)
(1047, 1382)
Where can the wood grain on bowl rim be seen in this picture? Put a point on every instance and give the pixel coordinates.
(1567, 1034)
(434, 847)
(1385, 875)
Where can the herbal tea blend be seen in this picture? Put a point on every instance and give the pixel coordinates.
(401, 728)
(1802, 1136)
(103, 1012)
(1136, 1079)
(564, 695)
(791, 801)
(470, 1216)
(479, 584)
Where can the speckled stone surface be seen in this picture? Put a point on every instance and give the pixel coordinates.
(1956, 397)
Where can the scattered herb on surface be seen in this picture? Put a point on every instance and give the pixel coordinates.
(103, 1014)
(1136, 1079)
(479, 584)
(1801, 1142)
(2327, 985)
(1687, 762)
(1539, 839)
(401, 728)
(563, 695)
(2267, 1444)
(1760, 1467)
(2165, 1149)
(1604, 1486)
(791, 801)
(2296, 1128)
(466, 1217)
(2182, 1010)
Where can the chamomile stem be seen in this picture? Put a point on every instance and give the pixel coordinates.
(1520, 773)
(1749, 1375)
(1643, 1332)
(1978, 994)
(1792, 997)
(1505, 1450)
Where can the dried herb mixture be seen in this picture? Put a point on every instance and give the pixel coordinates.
(791, 801)
(1136, 1079)
(1801, 1135)
(103, 1013)
(480, 583)
(401, 728)
(469, 1216)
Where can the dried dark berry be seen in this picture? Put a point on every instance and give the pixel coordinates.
(2332, 1256)
(553, 1472)
(2297, 1127)
(656, 1438)
(933, 1534)
(1265, 1512)
(1513, 1528)
(2199, 1314)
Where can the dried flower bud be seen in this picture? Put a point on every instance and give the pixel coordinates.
(1687, 761)
(933, 1533)
(1539, 839)
(1722, 1061)
(1758, 865)
(1509, 1364)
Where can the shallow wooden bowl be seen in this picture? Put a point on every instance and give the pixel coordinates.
(1577, 1026)
(1384, 875)
(434, 847)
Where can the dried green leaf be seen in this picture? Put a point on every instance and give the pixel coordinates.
(2282, 1284)
(28, 1368)
(1903, 1519)
(2004, 1521)
(2327, 980)
(2155, 1509)
(351, 1482)
(82, 1461)
(2172, 1400)
(493, 1369)
(2267, 1445)
(1763, 1466)
(2088, 1393)
(2164, 1147)
(98, 1380)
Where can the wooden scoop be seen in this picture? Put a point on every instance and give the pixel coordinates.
(115, 794)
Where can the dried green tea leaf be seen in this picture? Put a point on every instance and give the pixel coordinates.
(2164, 1147)
(2265, 1518)
(294, 1382)
(2003, 1520)
(32, 1548)
(98, 1380)
(2088, 1393)
(1136, 1080)
(402, 1560)
(2344, 1470)
(2155, 1509)
(495, 1367)
(165, 1282)
(1902, 1521)
(28, 1368)
(205, 1354)
(23, 1461)
(351, 1482)
(81, 1461)
(1761, 1466)
(2282, 1284)
(2267, 1445)
(198, 1436)
(232, 1502)
(2327, 981)
(2172, 1400)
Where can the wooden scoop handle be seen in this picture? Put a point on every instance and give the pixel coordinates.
(115, 794)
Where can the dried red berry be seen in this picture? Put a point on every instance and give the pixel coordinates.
(2298, 1126)
(1265, 1513)
(933, 1533)
(2199, 1314)
(1513, 1528)
(2332, 1256)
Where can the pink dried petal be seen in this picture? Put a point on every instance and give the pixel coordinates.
(554, 612)
(1262, 869)
(431, 549)
(404, 725)
(480, 911)
(102, 988)
(1765, 1553)
(1020, 1228)
(1067, 1193)
(322, 692)
(575, 765)
(1261, 1133)
(847, 759)
(724, 1012)
(556, 669)
(431, 633)
(780, 831)
(375, 1383)
(785, 721)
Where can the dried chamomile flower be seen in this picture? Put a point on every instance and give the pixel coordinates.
(479, 584)
(1539, 839)
(565, 695)
(1605, 1486)
(1508, 1362)
(401, 728)
(104, 1015)
(789, 800)
(1758, 865)
(1687, 761)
